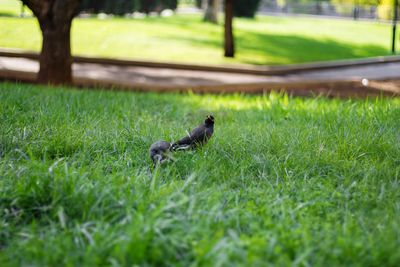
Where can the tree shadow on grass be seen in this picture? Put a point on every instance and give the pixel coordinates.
(295, 49)
(7, 14)
(255, 48)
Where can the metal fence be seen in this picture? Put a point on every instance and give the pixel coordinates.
(318, 8)
(327, 9)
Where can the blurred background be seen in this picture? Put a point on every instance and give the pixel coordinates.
(266, 32)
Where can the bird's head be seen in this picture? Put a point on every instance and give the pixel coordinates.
(209, 120)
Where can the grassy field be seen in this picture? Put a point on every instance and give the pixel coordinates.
(10, 7)
(284, 181)
(184, 38)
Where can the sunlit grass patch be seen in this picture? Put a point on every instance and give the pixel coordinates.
(186, 38)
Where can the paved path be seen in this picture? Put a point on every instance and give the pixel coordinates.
(343, 81)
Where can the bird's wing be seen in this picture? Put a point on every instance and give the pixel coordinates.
(187, 140)
(199, 134)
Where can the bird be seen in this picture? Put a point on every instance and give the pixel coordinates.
(197, 137)
(159, 152)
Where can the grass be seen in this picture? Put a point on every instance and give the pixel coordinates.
(185, 38)
(284, 180)
(10, 7)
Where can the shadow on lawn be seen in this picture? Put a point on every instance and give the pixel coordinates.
(7, 14)
(294, 49)
(289, 49)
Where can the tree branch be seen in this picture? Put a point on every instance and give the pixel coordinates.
(65, 9)
(61, 10)
(40, 8)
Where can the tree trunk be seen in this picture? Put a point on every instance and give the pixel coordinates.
(211, 13)
(55, 19)
(229, 40)
(55, 58)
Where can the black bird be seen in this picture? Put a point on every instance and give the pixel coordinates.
(159, 151)
(198, 136)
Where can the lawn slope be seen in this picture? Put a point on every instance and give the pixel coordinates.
(184, 38)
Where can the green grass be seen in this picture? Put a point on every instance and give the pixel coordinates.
(184, 38)
(284, 180)
(12, 8)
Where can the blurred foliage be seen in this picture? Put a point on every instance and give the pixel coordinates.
(242, 8)
(120, 7)
(245, 8)
(385, 9)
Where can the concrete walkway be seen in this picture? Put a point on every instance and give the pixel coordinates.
(344, 80)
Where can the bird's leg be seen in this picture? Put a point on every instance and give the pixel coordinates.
(157, 158)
